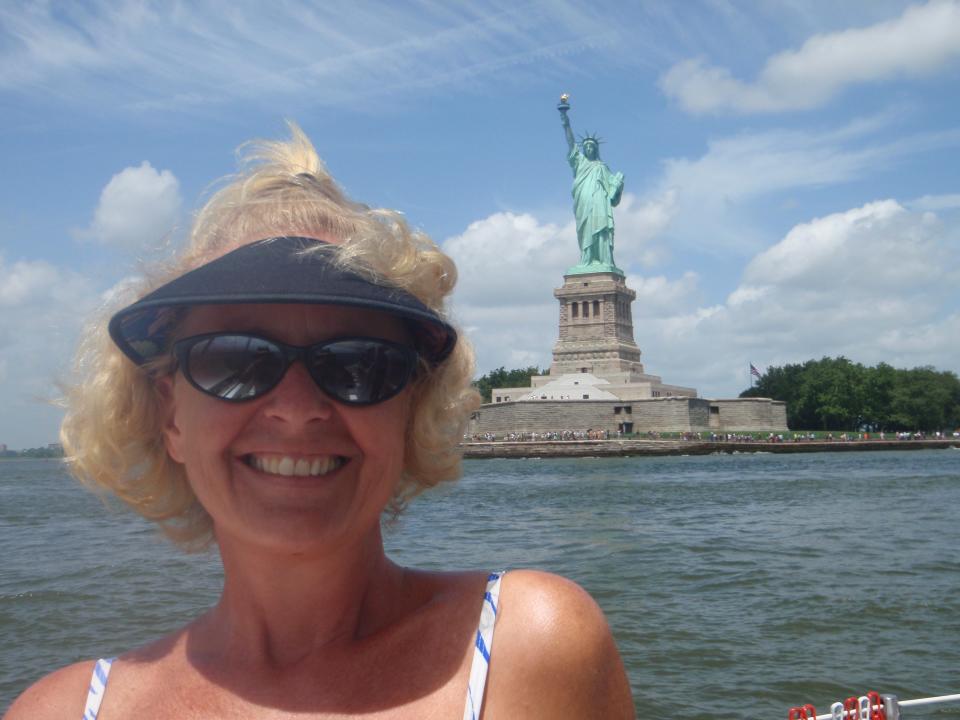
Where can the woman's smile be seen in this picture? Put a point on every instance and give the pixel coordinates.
(287, 465)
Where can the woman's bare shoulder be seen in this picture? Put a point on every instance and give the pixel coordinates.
(61, 694)
(553, 653)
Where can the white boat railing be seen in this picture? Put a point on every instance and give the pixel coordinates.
(872, 706)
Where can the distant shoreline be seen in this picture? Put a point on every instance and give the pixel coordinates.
(659, 448)
(628, 448)
(6, 458)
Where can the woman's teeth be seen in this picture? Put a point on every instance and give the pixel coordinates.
(301, 467)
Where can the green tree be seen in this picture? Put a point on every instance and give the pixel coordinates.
(501, 377)
(42, 452)
(837, 389)
(837, 394)
(824, 394)
(925, 399)
(879, 384)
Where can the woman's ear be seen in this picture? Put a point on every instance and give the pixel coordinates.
(168, 413)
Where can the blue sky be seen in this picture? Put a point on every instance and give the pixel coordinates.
(791, 167)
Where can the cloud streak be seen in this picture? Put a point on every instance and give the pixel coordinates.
(155, 57)
(712, 192)
(923, 40)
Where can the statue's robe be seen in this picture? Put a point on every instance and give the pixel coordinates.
(596, 191)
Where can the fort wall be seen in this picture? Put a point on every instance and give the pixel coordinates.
(670, 414)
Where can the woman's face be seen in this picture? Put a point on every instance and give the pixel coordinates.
(346, 460)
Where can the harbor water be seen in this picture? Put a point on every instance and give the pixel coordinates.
(735, 585)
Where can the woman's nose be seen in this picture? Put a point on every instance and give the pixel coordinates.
(297, 398)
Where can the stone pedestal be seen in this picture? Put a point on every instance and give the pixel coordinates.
(596, 328)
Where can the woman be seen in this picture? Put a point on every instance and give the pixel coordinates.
(280, 386)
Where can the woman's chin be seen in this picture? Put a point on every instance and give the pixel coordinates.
(259, 503)
(290, 537)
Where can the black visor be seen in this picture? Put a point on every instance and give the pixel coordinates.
(275, 270)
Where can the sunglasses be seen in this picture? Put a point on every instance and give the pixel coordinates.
(237, 367)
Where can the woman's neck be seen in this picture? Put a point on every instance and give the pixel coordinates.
(280, 610)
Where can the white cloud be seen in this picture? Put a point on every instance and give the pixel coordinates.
(879, 246)
(508, 265)
(510, 336)
(658, 296)
(138, 208)
(639, 224)
(25, 282)
(502, 256)
(41, 310)
(874, 283)
(949, 201)
(921, 41)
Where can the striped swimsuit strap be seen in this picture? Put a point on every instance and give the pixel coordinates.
(482, 647)
(98, 684)
(478, 668)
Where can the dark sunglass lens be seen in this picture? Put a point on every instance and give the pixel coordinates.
(235, 367)
(360, 371)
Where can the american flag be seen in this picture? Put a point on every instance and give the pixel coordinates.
(754, 371)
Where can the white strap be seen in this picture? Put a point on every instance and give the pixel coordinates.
(482, 648)
(98, 685)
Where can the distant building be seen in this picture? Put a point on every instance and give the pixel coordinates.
(597, 381)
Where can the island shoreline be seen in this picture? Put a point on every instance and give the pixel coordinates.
(659, 448)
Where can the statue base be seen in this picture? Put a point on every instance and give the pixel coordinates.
(596, 327)
(595, 268)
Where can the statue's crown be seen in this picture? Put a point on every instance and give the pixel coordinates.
(591, 137)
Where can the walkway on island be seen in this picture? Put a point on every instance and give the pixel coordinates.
(626, 448)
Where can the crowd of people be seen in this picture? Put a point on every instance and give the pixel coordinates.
(861, 436)
(730, 437)
(541, 436)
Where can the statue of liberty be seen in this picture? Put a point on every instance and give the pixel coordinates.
(596, 191)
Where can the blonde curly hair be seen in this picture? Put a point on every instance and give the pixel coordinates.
(112, 432)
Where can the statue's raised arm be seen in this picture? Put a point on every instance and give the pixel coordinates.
(596, 191)
(563, 107)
